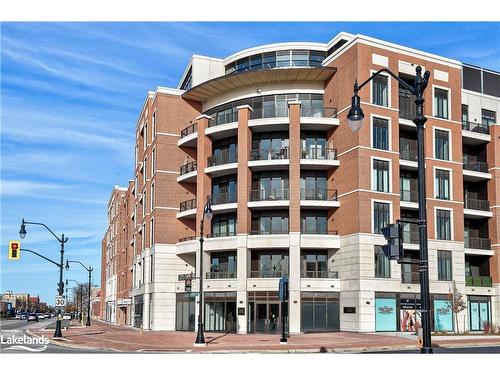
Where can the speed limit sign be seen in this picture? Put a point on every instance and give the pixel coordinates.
(60, 302)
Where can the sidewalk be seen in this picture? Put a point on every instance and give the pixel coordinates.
(122, 338)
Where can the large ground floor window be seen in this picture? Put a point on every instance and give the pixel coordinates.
(220, 311)
(185, 312)
(479, 312)
(265, 311)
(320, 311)
(138, 310)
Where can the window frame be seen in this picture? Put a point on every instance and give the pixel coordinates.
(450, 182)
(387, 275)
(372, 169)
(389, 91)
(438, 263)
(450, 210)
(373, 201)
(434, 102)
(372, 133)
(434, 153)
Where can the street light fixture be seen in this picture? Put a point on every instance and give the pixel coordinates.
(355, 118)
(89, 270)
(62, 241)
(207, 214)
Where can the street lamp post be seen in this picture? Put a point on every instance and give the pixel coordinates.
(355, 118)
(207, 213)
(80, 310)
(62, 241)
(89, 270)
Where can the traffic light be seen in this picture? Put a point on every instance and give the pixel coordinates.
(14, 250)
(187, 284)
(394, 236)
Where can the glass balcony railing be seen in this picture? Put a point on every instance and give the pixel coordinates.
(319, 274)
(188, 167)
(269, 194)
(220, 275)
(472, 164)
(477, 243)
(268, 274)
(269, 154)
(475, 127)
(319, 153)
(223, 118)
(409, 195)
(187, 205)
(269, 231)
(223, 198)
(484, 281)
(222, 233)
(221, 159)
(477, 204)
(307, 111)
(319, 194)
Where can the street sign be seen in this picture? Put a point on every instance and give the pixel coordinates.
(60, 302)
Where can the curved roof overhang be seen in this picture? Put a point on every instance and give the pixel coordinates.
(223, 84)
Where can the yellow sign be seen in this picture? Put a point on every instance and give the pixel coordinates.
(14, 250)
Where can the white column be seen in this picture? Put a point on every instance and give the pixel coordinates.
(241, 294)
(294, 284)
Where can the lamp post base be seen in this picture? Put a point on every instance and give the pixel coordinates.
(284, 341)
(200, 345)
(426, 351)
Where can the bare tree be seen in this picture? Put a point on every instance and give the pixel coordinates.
(456, 303)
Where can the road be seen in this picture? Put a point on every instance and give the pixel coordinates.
(10, 329)
(470, 350)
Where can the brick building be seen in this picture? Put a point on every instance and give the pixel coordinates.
(263, 134)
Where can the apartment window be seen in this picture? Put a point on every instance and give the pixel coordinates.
(441, 103)
(380, 93)
(145, 135)
(143, 236)
(282, 58)
(313, 222)
(143, 270)
(380, 133)
(153, 162)
(152, 196)
(223, 225)
(442, 182)
(488, 118)
(153, 124)
(300, 58)
(444, 265)
(382, 264)
(314, 263)
(270, 222)
(465, 114)
(443, 224)
(381, 216)
(380, 175)
(442, 144)
(152, 232)
(144, 203)
(151, 268)
(146, 168)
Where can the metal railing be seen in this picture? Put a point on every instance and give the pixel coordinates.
(318, 231)
(269, 154)
(408, 154)
(189, 130)
(477, 204)
(409, 195)
(319, 153)
(475, 127)
(269, 231)
(477, 243)
(318, 194)
(220, 275)
(472, 164)
(188, 238)
(268, 194)
(410, 277)
(220, 234)
(484, 281)
(308, 111)
(188, 167)
(319, 274)
(269, 112)
(223, 158)
(223, 198)
(268, 274)
(186, 276)
(225, 118)
(187, 205)
(407, 106)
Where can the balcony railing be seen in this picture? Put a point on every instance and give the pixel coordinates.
(475, 127)
(408, 154)
(318, 194)
(223, 198)
(187, 205)
(221, 234)
(409, 195)
(188, 238)
(319, 153)
(268, 195)
(318, 231)
(477, 204)
(186, 276)
(484, 281)
(269, 154)
(477, 243)
(319, 274)
(220, 275)
(188, 167)
(223, 118)
(306, 111)
(268, 274)
(410, 277)
(269, 231)
(269, 112)
(189, 130)
(221, 159)
(407, 107)
(472, 164)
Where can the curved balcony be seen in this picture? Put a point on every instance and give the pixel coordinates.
(188, 172)
(318, 158)
(187, 209)
(189, 136)
(269, 198)
(224, 202)
(318, 118)
(319, 198)
(223, 125)
(266, 159)
(222, 164)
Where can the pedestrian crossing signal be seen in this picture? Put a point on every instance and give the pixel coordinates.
(14, 250)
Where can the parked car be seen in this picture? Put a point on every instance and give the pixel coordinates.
(46, 316)
(18, 316)
(67, 317)
(52, 315)
(41, 316)
(24, 316)
(32, 317)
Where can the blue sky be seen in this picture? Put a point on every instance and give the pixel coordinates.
(71, 94)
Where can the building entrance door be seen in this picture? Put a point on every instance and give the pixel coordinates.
(267, 318)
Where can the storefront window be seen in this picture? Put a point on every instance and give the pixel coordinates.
(320, 311)
(385, 314)
(220, 311)
(185, 312)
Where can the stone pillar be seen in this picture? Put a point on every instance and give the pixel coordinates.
(145, 311)
(294, 217)
(243, 219)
